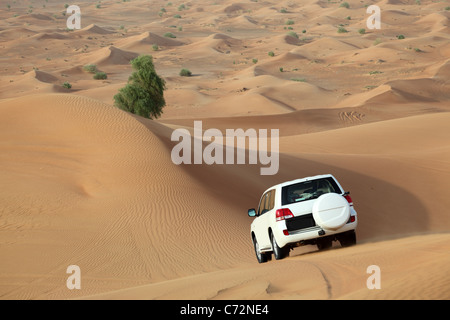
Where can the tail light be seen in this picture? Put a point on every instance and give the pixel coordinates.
(283, 214)
(348, 198)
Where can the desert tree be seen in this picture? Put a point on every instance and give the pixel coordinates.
(144, 93)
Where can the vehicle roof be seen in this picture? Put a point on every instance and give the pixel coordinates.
(287, 183)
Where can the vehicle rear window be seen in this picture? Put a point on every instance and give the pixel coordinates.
(308, 190)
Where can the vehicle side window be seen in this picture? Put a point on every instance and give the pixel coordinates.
(267, 202)
(271, 199)
(263, 204)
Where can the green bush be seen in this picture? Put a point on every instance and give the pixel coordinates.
(100, 76)
(271, 54)
(185, 73)
(344, 5)
(144, 93)
(67, 85)
(400, 37)
(293, 34)
(362, 31)
(169, 35)
(92, 68)
(342, 30)
(299, 79)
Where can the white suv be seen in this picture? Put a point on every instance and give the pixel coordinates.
(313, 210)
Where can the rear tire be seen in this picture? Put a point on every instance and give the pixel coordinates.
(324, 243)
(262, 257)
(347, 239)
(279, 253)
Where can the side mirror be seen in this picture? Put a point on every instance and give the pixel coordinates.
(251, 212)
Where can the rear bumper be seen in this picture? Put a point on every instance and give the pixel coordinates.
(311, 233)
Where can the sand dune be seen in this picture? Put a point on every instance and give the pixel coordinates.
(94, 29)
(14, 33)
(435, 22)
(213, 44)
(35, 16)
(147, 39)
(443, 72)
(111, 56)
(42, 76)
(271, 67)
(90, 188)
(84, 183)
(248, 283)
(49, 36)
(129, 219)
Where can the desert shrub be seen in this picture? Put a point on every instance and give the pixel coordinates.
(271, 54)
(177, 16)
(92, 68)
(144, 93)
(185, 73)
(344, 5)
(342, 30)
(362, 31)
(100, 76)
(67, 85)
(290, 22)
(400, 37)
(155, 47)
(299, 79)
(293, 34)
(169, 35)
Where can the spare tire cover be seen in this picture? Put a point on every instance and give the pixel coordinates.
(331, 211)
